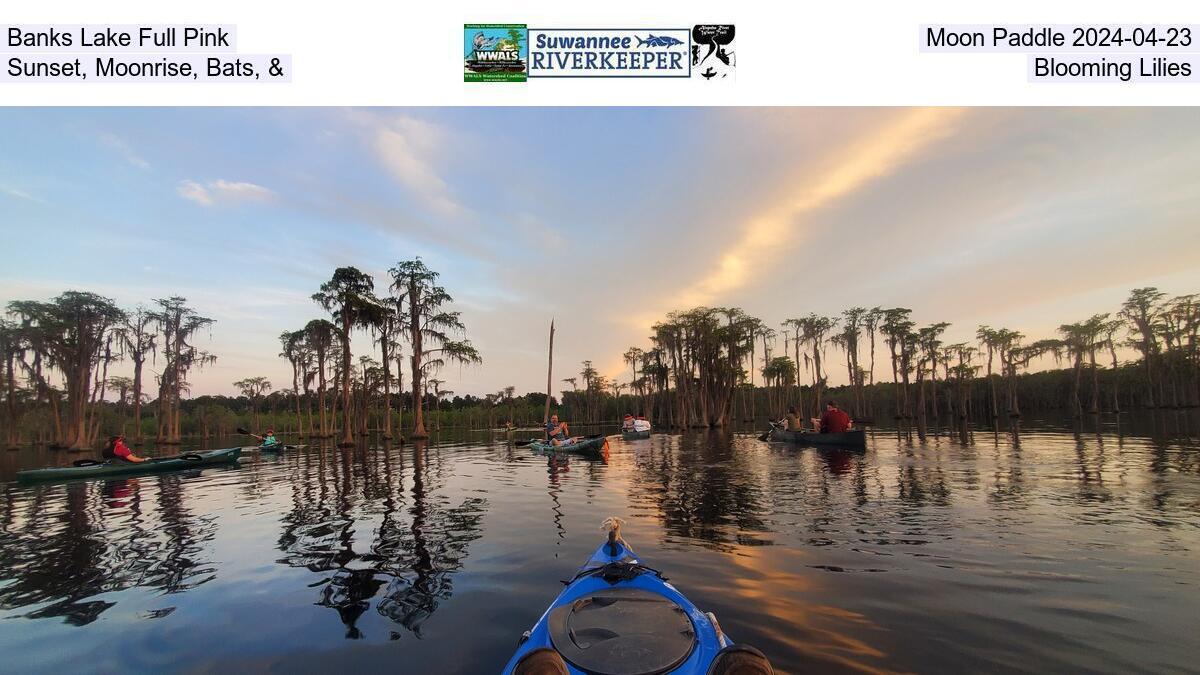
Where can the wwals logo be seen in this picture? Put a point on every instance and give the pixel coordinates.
(494, 52)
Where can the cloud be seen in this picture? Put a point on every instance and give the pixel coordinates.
(222, 191)
(115, 143)
(408, 148)
(19, 193)
(766, 233)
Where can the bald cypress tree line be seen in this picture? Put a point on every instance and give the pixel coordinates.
(710, 367)
(57, 356)
(704, 367)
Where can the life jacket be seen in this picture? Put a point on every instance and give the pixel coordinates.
(110, 451)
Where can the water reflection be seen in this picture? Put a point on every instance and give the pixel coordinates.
(704, 487)
(411, 554)
(64, 545)
(955, 547)
(556, 468)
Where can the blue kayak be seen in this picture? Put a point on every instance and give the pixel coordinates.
(617, 616)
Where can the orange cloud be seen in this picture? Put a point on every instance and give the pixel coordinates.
(768, 234)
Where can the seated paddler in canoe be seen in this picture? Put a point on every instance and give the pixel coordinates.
(559, 434)
(634, 424)
(116, 452)
(834, 420)
(791, 421)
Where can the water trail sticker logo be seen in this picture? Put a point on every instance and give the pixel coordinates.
(713, 56)
(610, 52)
(494, 52)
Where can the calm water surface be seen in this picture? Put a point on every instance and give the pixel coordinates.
(1056, 550)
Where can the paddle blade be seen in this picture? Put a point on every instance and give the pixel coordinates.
(242, 431)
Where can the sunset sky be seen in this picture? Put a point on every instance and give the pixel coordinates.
(604, 219)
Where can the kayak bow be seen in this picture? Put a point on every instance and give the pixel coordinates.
(619, 616)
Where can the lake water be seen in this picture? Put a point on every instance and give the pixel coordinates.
(1054, 550)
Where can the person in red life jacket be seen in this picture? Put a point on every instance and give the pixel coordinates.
(834, 420)
(116, 451)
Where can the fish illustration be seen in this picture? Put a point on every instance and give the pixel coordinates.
(659, 41)
(483, 44)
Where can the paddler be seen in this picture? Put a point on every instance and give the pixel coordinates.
(834, 420)
(268, 440)
(792, 421)
(557, 432)
(116, 452)
(627, 423)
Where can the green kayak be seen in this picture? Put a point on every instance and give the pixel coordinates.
(189, 460)
(592, 447)
(275, 447)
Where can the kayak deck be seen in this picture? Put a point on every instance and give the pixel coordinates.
(592, 447)
(278, 447)
(618, 616)
(154, 465)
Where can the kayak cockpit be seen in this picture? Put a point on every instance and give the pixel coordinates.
(622, 630)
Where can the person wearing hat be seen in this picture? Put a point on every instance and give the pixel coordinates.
(268, 440)
(627, 423)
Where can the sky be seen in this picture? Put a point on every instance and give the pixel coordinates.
(601, 219)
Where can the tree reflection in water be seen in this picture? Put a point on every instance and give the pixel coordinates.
(557, 467)
(412, 553)
(69, 543)
(703, 489)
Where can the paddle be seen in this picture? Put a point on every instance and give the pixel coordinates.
(274, 446)
(247, 433)
(767, 435)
